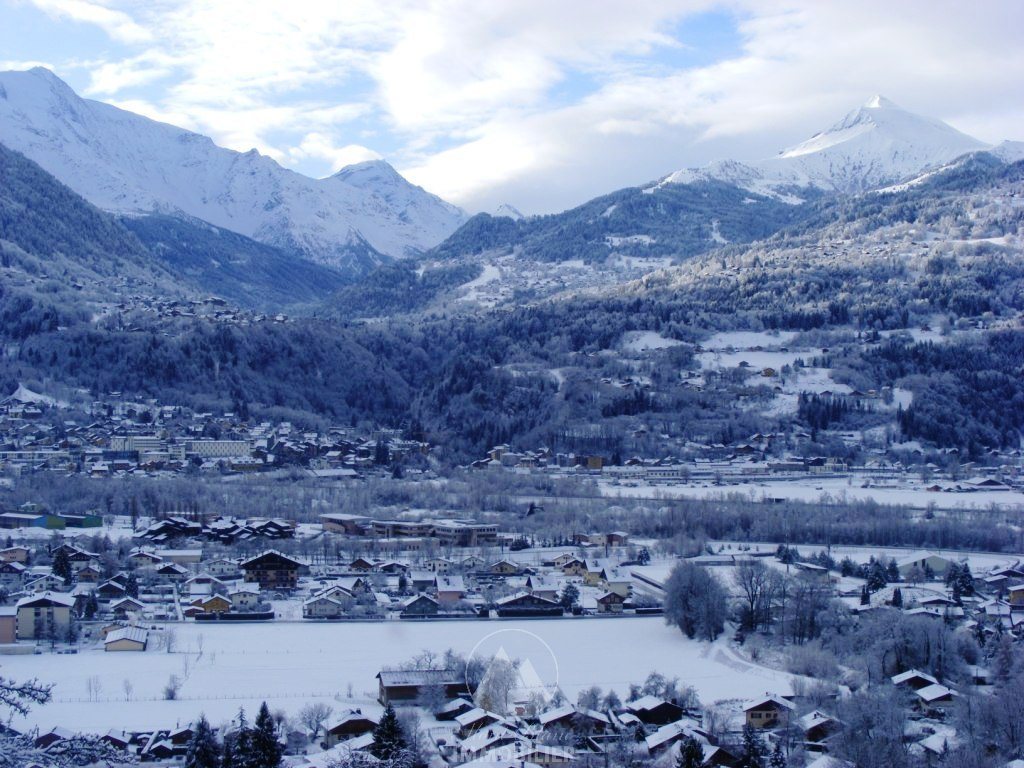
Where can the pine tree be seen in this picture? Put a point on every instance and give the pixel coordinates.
(876, 576)
(953, 574)
(202, 750)
(691, 754)
(753, 749)
(778, 758)
(388, 739)
(897, 598)
(966, 580)
(266, 749)
(131, 585)
(91, 607)
(62, 565)
(238, 751)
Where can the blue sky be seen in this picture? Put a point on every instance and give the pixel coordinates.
(542, 105)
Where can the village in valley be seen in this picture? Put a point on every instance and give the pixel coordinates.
(99, 596)
(131, 612)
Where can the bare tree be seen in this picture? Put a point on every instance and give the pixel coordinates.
(128, 688)
(172, 688)
(314, 715)
(759, 585)
(498, 682)
(93, 686)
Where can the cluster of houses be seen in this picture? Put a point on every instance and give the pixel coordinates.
(756, 460)
(122, 437)
(160, 583)
(559, 734)
(996, 604)
(223, 530)
(443, 587)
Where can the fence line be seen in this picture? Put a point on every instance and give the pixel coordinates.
(119, 699)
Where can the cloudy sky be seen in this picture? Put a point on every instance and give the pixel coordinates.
(539, 103)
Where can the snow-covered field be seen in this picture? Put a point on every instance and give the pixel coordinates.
(757, 360)
(640, 341)
(289, 664)
(836, 489)
(748, 339)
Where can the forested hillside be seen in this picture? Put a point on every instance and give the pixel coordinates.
(678, 221)
(246, 273)
(852, 280)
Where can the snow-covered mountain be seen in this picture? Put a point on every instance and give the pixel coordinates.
(123, 162)
(875, 145)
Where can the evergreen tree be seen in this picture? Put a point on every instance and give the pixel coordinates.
(570, 596)
(892, 571)
(238, 751)
(266, 749)
(388, 740)
(62, 565)
(966, 580)
(691, 754)
(778, 758)
(131, 585)
(953, 574)
(202, 750)
(227, 755)
(897, 598)
(753, 749)
(92, 605)
(876, 576)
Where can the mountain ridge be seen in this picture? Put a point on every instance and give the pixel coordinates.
(127, 163)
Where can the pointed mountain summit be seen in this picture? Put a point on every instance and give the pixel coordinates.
(877, 144)
(124, 162)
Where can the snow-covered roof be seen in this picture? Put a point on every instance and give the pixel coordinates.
(475, 715)
(669, 732)
(814, 718)
(934, 692)
(769, 699)
(556, 714)
(911, 674)
(645, 703)
(484, 738)
(393, 677)
(53, 597)
(135, 634)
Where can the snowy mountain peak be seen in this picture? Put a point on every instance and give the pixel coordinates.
(124, 162)
(877, 144)
(369, 173)
(878, 102)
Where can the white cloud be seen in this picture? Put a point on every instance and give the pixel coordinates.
(319, 146)
(119, 25)
(546, 104)
(22, 64)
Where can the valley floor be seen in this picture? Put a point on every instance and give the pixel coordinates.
(288, 665)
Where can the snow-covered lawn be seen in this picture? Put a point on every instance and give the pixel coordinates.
(289, 664)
